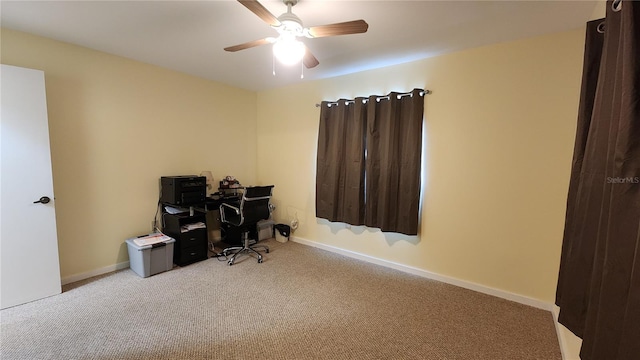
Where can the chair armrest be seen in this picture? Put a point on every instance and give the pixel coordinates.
(236, 209)
(231, 214)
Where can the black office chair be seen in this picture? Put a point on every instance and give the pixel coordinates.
(253, 207)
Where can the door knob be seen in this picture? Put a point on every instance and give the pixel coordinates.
(43, 200)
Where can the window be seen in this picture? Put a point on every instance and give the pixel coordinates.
(375, 144)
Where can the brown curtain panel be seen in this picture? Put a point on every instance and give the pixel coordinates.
(340, 162)
(599, 280)
(577, 268)
(394, 149)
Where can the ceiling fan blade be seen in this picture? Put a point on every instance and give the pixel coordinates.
(249, 44)
(309, 60)
(344, 28)
(261, 11)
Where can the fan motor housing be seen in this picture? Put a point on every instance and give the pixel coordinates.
(291, 23)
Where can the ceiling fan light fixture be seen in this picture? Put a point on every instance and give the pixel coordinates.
(288, 51)
(286, 48)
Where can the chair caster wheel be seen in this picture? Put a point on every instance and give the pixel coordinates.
(259, 261)
(230, 263)
(267, 251)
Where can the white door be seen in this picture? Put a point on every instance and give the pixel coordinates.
(29, 264)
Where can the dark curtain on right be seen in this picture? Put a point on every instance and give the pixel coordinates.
(599, 280)
(394, 149)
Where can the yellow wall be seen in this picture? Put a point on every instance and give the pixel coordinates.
(600, 10)
(116, 126)
(500, 128)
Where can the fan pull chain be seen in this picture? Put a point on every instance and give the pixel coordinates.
(273, 62)
(301, 69)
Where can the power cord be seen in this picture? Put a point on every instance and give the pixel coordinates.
(154, 223)
(219, 255)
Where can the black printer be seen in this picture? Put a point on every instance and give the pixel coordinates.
(183, 189)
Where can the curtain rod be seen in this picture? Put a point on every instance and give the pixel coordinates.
(423, 92)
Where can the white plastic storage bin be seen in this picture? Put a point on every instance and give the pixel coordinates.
(265, 229)
(149, 260)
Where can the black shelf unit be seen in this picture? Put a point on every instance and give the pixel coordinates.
(190, 246)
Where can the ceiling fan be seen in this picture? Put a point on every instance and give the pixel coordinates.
(286, 47)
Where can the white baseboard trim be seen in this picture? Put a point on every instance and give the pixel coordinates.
(569, 352)
(430, 275)
(82, 276)
(561, 340)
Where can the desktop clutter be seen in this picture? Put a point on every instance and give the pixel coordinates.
(192, 220)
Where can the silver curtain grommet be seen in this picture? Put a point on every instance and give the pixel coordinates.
(600, 28)
(616, 5)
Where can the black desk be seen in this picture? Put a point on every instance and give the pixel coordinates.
(213, 202)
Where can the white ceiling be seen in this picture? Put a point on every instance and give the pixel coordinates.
(189, 36)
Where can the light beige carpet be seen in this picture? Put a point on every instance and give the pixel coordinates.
(301, 303)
